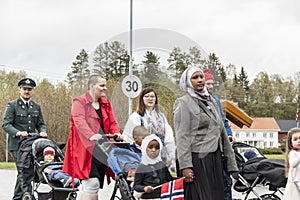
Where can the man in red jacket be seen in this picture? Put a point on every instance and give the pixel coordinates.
(91, 116)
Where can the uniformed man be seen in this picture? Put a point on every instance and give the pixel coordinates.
(22, 116)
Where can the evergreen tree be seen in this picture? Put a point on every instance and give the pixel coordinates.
(244, 83)
(111, 60)
(214, 65)
(80, 73)
(151, 64)
(178, 62)
(195, 58)
(223, 73)
(235, 91)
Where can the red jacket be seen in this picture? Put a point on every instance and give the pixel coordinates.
(85, 122)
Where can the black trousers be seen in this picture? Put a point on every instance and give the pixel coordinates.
(24, 178)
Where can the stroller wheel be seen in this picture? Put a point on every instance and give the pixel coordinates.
(125, 190)
(269, 197)
(72, 196)
(27, 196)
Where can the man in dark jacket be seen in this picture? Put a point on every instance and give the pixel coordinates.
(22, 116)
(209, 84)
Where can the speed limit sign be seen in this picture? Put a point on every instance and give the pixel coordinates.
(131, 86)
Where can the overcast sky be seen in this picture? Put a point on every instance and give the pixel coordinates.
(44, 36)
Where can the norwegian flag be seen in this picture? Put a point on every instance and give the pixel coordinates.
(172, 190)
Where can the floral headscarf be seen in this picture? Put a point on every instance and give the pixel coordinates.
(146, 160)
(186, 85)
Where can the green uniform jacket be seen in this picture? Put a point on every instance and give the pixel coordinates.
(18, 117)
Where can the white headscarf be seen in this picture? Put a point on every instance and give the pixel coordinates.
(186, 85)
(146, 160)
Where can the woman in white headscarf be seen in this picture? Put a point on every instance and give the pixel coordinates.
(202, 143)
(152, 171)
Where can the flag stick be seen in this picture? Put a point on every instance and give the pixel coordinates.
(159, 186)
(162, 184)
(297, 121)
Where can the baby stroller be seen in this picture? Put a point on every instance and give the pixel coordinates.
(54, 189)
(120, 159)
(257, 170)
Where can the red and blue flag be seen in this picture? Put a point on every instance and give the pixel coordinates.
(172, 190)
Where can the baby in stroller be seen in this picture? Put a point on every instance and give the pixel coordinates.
(138, 134)
(46, 153)
(123, 159)
(54, 172)
(123, 162)
(254, 169)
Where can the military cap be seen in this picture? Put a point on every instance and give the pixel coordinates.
(26, 83)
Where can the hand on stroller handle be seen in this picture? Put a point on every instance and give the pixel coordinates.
(105, 137)
(25, 134)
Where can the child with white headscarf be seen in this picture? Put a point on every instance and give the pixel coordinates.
(152, 171)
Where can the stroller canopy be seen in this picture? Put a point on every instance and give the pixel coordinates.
(39, 144)
(121, 160)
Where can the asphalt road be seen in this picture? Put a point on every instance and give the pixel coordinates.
(8, 177)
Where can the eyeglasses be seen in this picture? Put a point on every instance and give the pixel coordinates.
(149, 97)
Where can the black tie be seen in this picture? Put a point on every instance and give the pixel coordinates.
(27, 105)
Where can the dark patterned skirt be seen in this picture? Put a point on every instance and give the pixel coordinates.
(208, 183)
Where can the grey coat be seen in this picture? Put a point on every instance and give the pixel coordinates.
(199, 130)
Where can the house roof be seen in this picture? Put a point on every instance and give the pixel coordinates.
(286, 125)
(259, 123)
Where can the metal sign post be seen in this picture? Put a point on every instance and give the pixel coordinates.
(130, 56)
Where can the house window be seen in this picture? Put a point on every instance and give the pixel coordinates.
(265, 144)
(247, 134)
(271, 144)
(265, 135)
(253, 134)
(271, 135)
(255, 143)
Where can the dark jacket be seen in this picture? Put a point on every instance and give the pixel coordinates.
(18, 117)
(151, 175)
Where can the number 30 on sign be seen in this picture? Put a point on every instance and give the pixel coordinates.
(131, 86)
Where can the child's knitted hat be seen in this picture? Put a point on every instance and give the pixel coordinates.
(48, 150)
(208, 75)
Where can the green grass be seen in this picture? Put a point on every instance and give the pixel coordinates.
(7, 165)
(275, 156)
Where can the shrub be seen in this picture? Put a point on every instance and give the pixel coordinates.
(271, 151)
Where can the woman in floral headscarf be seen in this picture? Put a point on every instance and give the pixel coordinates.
(149, 116)
(202, 142)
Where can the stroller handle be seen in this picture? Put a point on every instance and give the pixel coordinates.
(33, 134)
(109, 136)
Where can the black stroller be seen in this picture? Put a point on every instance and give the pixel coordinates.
(120, 159)
(54, 189)
(258, 170)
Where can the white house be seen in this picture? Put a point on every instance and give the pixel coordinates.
(262, 133)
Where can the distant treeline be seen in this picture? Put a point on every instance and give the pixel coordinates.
(267, 95)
